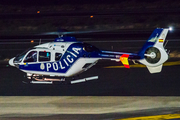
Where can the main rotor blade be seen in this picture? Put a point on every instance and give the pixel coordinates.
(73, 32)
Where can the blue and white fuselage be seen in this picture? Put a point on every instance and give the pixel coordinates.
(58, 58)
(66, 57)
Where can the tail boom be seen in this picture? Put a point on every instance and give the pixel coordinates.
(152, 54)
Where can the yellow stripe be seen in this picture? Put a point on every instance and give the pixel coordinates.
(161, 40)
(156, 117)
(141, 66)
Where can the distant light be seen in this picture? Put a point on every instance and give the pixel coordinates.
(170, 28)
(32, 41)
(38, 11)
(91, 16)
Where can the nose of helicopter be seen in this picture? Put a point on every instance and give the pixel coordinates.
(11, 61)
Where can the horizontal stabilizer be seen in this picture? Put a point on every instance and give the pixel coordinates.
(156, 69)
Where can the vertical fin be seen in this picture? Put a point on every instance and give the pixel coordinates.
(124, 60)
(156, 69)
(151, 41)
(153, 54)
(161, 39)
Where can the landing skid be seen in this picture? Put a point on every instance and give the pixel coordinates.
(60, 80)
(84, 79)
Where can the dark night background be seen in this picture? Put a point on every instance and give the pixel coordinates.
(20, 17)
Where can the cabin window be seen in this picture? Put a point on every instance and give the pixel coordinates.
(44, 56)
(58, 56)
(31, 57)
(89, 48)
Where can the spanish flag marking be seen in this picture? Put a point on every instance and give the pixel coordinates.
(161, 40)
(124, 60)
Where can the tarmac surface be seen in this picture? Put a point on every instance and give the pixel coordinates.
(87, 107)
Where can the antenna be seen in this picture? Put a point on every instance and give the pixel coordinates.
(40, 41)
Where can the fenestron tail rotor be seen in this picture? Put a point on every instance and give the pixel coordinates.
(152, 55)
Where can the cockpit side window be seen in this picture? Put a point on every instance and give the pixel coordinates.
(89, 48)
(31, 57)
(58, 56)
(44, 56)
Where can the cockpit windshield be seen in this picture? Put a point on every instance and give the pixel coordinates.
(20, 57)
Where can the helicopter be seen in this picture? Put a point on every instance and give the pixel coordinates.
(66, 57)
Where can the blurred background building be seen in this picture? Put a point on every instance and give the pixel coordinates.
(42, 16)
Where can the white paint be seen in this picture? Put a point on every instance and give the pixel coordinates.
(70, 60)
(73, 54)
(76, 50)
(48, 65)
(55, 66)
(62, 67)
(65, 62)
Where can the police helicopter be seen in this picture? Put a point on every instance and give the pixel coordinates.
(66, 57)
